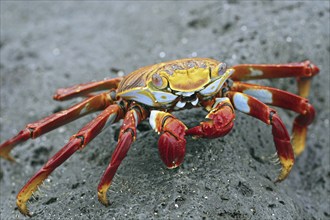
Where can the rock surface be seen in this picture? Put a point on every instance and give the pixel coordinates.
(46, 45)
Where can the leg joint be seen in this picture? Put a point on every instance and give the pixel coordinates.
(271, 115)
(31, 130)
(131, 131)
(165, 118)
(82, 140)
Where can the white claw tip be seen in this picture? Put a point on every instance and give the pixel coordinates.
(180, 104)
(195, 102)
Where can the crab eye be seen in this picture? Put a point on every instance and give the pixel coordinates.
(222, 69)
(159, 81)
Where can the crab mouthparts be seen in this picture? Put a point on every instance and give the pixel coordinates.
(186, 97)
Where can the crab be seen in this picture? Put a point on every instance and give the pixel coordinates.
(157, 90)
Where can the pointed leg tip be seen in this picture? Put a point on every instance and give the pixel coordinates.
(22, 207)
(102, 196)
(7, 156)
(283, 175)
(285, 171)
(11, 159)
(278, 179)
(7, 146)
(298, 153)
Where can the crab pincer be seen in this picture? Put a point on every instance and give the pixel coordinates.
(220, 121)
(172, 142)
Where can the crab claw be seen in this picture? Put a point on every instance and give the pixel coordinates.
(220, 122)
(171, 143)
(172, 149)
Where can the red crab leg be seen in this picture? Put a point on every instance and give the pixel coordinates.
(251, 106)
(34, 130)
(126, 137)
(220, 120)
(78, 141)
(285, 100)
(303, 71)
(86, 88)
(171, 143)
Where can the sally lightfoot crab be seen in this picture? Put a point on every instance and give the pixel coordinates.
(155, 91)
